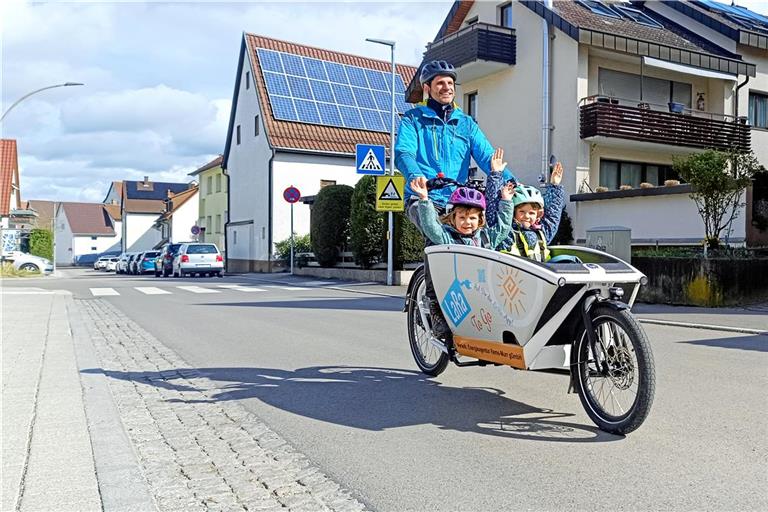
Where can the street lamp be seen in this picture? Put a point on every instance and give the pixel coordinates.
(390, 229)
(65, 84)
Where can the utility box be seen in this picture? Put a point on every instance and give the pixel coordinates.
(615, 240)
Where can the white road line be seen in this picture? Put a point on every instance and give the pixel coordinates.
(241, 288)
(151, 290)
(289, 288)
(101, 292)
(318, 283)
(197, 289)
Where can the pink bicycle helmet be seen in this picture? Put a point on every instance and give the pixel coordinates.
(464, 196)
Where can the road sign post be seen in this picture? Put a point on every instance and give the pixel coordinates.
(291, 195)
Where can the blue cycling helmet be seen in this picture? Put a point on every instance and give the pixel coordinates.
(435, 68)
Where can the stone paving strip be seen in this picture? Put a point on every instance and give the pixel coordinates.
(197, 453)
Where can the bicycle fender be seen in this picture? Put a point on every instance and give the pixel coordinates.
(411, 284)
(616, 304)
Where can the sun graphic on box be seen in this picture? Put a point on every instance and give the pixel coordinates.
(513, 294)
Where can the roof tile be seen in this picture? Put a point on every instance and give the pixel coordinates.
(88, 219)
(9, 168)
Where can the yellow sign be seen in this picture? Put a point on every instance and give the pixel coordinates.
(390, 191)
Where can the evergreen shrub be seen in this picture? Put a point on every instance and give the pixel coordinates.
(368, 228)
(329, 223)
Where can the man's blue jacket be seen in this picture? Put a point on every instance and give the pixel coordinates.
(427, 145)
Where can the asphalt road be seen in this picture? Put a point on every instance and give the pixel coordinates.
(330, 370)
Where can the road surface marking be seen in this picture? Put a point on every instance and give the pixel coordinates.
(101, 292)
(318, 283)
(197, 289)
(151, 290)
(241, 288)
(289, 288)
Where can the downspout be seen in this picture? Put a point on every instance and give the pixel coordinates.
(546, 100)
(736, 99)
(270, 207)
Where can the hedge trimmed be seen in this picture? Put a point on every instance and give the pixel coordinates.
(368, 228)
(41, 243)
(329, 223)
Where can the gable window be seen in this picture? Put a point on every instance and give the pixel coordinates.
(758, 110)
(218, 183)
(247, 79)
(470, 105)
(238, 135)
(256, 126)
(615, 173)
(505, 15)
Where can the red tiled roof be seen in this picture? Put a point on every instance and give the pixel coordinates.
(114, 211)
(45, 211)
(176, 200)
(309, 137)
(461, 12)
(88, 219)
(216, 162)
(9, 169)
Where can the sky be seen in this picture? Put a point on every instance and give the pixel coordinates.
(159, 78)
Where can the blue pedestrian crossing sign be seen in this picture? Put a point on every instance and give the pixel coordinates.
(370, 159)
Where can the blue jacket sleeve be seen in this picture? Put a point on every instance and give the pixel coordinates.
(482, 151)
(406, 148)
(499, 232)
(554, 203)
(431, 225)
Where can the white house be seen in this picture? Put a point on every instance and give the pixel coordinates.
(297, 114)
(141, 204)
(84, 231)
(181, 214)
(615, 90)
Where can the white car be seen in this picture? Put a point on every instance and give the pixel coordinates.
(122, 263)
(111, 265)
(198, 258)
(101, 263)
(31, 263)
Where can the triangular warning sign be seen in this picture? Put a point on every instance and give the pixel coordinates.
(390, 193)
(370, 162)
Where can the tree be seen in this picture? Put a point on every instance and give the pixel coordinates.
(717, 181)
(329, 223)
(368, 228)
(41, 243)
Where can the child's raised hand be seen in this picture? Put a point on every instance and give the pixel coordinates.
(419, 187)
(497, 161)
(507, 191)
(557, 174)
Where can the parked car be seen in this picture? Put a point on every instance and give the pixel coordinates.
(146, 262)
(164, 265)
(100, 263)
(198, 258)
(122, 263)
(30, 262)
(111, 265)
(132, 263)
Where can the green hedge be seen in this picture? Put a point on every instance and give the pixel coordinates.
(329, 223)
(301, 243)
(41, 243)
(368, 228)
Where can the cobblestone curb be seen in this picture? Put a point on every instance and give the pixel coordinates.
(196, 453)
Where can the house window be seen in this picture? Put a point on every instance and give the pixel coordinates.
(247, 79)
(208, 224)
(234, 237)
(758, 110)
(218, 223)
(505, 15)
(627, 87)
(238, 135)
(614, 174)
(599, 8)
(94, 249)
(218, 183)
(256, 126)
(209, 186)
(471, 21)
(470, 101)
(94, 238)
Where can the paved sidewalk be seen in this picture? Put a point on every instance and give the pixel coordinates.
(47, 460)
(99, 415)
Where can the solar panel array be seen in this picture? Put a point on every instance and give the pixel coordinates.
(739, 15)
(307, 90)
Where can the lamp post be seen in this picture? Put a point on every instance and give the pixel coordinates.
(390, 218)
(65, 84)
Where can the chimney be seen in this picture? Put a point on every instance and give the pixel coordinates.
(146, 179)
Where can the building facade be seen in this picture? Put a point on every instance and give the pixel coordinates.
(297, 114)
(212, 202)
(84, 231)
(180, 216)
(616, 91)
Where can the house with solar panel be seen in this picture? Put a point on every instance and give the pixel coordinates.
(297, 114)
(615, 90)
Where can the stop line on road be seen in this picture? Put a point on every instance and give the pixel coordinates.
(154, 290)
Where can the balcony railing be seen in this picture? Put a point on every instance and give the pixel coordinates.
(479, 41)
(612, 117)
